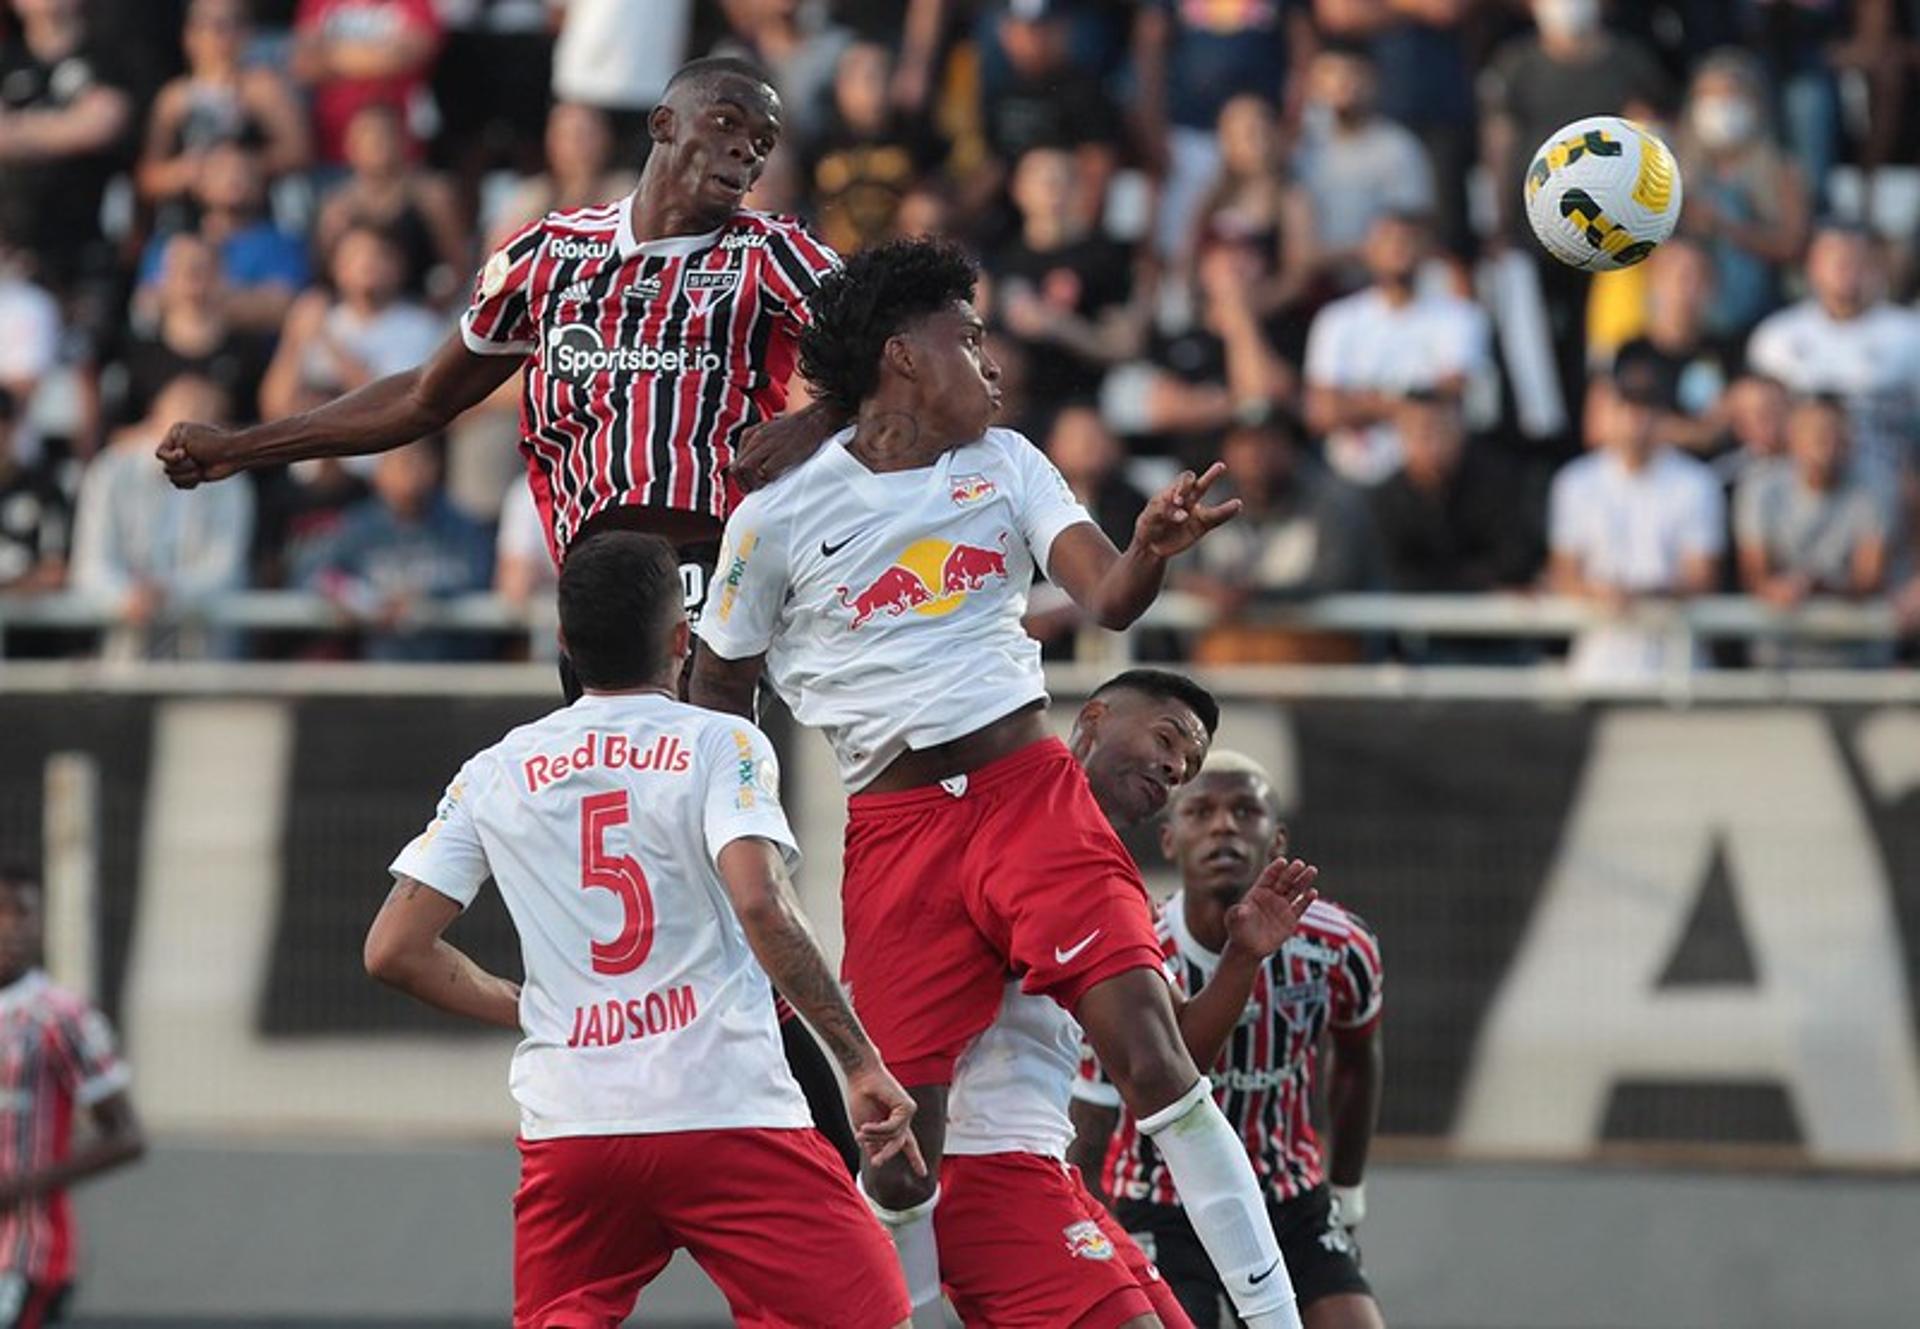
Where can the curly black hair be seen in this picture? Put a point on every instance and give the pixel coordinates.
(878, 293)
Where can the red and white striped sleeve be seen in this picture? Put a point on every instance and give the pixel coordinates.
(88, 1055)
(1356, 981)
(499, 318)
(797, 262)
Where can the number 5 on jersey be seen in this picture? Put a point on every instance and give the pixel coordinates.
(621, 874)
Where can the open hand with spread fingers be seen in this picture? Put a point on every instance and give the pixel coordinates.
(1176, 519)
(1270, 911)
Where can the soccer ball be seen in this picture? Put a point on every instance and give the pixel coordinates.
(1602, 193)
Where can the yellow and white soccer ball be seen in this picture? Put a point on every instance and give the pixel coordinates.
(1603, 193)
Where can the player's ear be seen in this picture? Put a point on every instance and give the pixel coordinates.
(1166, 838)
(897, 355)
(682, 640)
(1086, 728)
(1281, 837)
(660, 124)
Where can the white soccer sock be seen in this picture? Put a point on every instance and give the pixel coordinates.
(1222, 1198)
(914, 1244)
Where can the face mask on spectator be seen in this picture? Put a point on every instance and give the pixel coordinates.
(1723, 122)
(1567, 18)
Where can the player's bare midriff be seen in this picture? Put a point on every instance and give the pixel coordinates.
(674, 525)
(969, 752)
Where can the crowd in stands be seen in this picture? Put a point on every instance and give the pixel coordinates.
(1283, 233)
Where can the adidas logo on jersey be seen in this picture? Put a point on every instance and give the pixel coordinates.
(564, 248)
(576, 353)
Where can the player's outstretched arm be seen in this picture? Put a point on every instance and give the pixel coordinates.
(1116, 587)
(117, 1140)
(772, 448)
(382, 415)
(764, 901)
(1257, 926)
(405, 951)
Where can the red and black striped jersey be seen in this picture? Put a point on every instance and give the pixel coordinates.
(646, 360)
(56, 1054)
(1327, 976)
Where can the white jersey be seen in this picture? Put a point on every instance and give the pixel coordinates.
(1872, 361)
(888, 605)
(644, 1010)
(1012, 1085)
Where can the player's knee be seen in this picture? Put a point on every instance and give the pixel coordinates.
(896, 1186)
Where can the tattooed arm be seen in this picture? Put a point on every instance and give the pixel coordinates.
(763, 898)
(405, 951)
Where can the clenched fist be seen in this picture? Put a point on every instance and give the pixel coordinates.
(195, 454)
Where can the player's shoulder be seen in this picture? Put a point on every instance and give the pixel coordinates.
(50, 1001)
(781, 226)
(797, 492)
(1333, 919)
(1002, 444)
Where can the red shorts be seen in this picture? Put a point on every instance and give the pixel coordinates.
(946, 892)
(771, 1215)
(1024, 1245)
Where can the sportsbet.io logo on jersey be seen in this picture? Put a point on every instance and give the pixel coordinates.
(576, 353)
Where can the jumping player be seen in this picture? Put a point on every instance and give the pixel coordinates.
(881, 585)
(656, 333)
(641, 849)
(1059, 1257)
(1324, 982)
(56, 1054)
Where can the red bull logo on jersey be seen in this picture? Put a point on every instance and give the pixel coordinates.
(1085, 1241)
(970, 489)
(929, 577)
(666, 754)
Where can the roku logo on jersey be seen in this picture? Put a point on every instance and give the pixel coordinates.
(576, 353)
(667, 754)
(606, 1023)
(563, 248)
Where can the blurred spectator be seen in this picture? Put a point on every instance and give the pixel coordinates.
(1795, 41)
(1369, 349)
(522, 568)
(64, 115)
(1449, 519)
(606, 59)
(1301, 533)
(1755, 413)
(301, 508)
(1535, 85)
(1693, 366)
(1065, 292)
(220, 99)
(1426, 73)
(1049, 101)
(1355, 164)
(1089, 457)
(580, 171)
(1256, 203)
(492, 84)
(1202, 379)
(1845, 339)
(1191, 57)
(34, 515)
(1746, 200)
(869, 154)
(1633, 518)
(1803, 526)
(362, 330)
(261, 267)
(414, 207)
(29, 331)
(798, 46)
(188, 333)
(927, 210)
(140, 544)
(357, 53)
(404, 546)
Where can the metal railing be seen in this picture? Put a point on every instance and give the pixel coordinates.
(1489, 616)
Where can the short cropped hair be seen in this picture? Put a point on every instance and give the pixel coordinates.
(716, 66)
(1165, 685)
(875, 297)
(618, 594)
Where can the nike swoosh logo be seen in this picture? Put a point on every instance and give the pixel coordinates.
(1068, 955)
(1262, 1277)
(828, 551)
